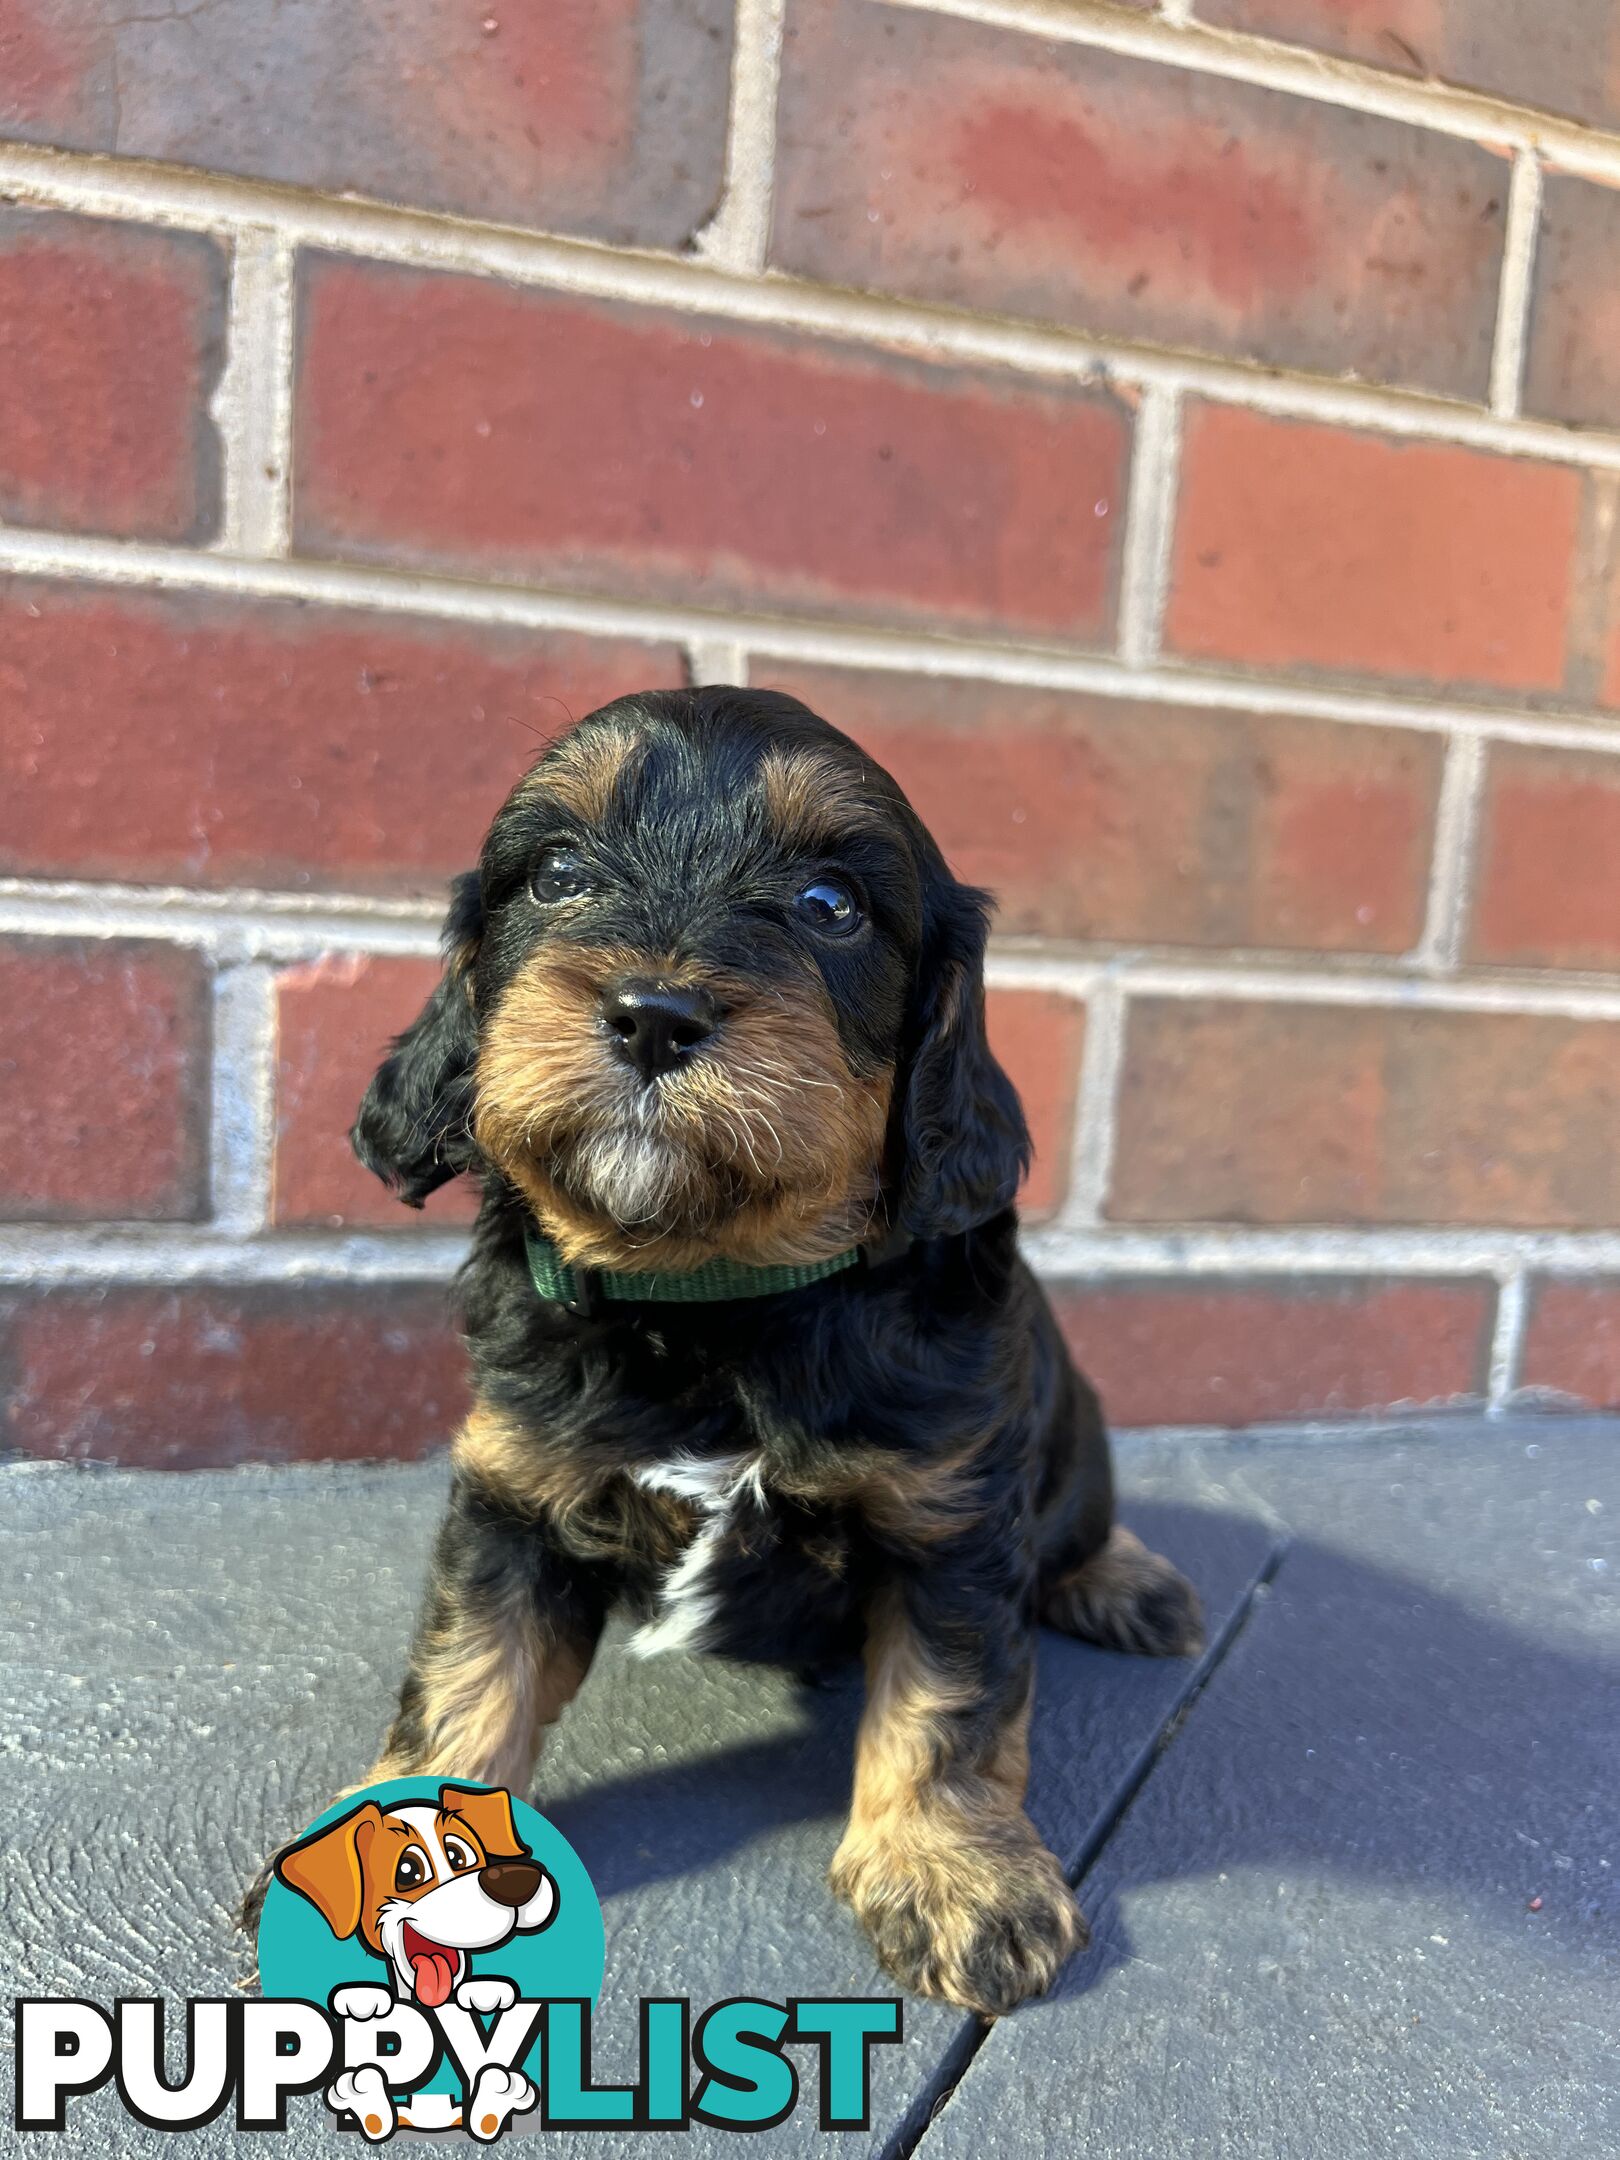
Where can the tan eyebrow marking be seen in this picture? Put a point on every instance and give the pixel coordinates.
(463, 1828)
(583, 772)
(813, 800)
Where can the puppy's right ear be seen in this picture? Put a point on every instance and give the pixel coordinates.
(327, 1868)
(489, 1816)
(413, 1124)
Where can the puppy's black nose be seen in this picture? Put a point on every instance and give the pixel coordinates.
(510, 1882)
(657, 1023)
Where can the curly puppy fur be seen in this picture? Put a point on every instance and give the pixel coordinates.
(900, 1457)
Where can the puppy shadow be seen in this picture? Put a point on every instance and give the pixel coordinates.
(1359, 1725)
(687, 1817)
(1365, 1727)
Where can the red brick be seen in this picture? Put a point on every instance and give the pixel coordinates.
(1548, 885)
(1320, 548)
(1572, 366)
(1564, 57)
(104, 1074)
(1572, 1339)
(110, 346)
(1189, 1352)
(605, 117)
(1101, 818)
(225, 742)
(1039, 1037)
(459, 423)
(334, 1021)
(1269, 1112)
(986, 168)
(176, 1379)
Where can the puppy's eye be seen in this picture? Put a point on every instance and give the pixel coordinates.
(558, 875)
(411, 1872)
(458, 1855)
(828, 907)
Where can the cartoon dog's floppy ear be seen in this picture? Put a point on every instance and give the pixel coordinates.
(964, 1145)
(489, 1816)
(412, 1126)
(328, 1868)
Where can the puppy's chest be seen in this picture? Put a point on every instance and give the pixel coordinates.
(762, 1574)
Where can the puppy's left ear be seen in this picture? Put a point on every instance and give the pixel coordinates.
(412, 1127)
(489, 1816)
(328, 1868)
(964, 1145)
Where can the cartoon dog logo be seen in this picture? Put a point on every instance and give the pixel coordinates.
(424, 1888)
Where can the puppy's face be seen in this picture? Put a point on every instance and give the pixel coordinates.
(690, 988)
(707, 948)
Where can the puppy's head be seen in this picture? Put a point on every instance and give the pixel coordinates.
(711, 992)
(423, 1886)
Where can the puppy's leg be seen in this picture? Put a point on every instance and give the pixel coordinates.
(1125, 1598)
(506, 1634)
(1095, 1579)
(940, 1863)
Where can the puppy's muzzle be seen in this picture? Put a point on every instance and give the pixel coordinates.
(658, 1024)
(510, 1882)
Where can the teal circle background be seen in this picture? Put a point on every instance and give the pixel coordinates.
(299, 1955)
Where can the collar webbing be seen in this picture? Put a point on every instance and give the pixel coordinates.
(717, 1280)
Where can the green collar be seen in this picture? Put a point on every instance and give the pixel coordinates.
(580, 1289)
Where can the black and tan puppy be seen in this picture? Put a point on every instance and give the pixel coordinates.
(756, 1357)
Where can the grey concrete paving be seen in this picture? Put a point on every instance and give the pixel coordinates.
(1405, 1735)
(1312, 1931)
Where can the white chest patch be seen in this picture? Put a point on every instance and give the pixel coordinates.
(686, 1598)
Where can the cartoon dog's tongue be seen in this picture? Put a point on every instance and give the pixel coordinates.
(432, 1967)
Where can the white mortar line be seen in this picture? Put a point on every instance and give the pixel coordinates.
(1456, 841)
(252, 406)
(233, 927)
(380, 233)
(1507, 1342)
(1189, 976)
(717, 660)
(1091, 1150)
(131, 1253)
(1026, 663)
(39, 1254)
(1313, 1249)
(738, 235)
(1176, 11)
(1518, 278)
(243, 1134)
(1150, 525)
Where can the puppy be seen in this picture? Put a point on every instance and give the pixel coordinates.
(755, 1356)
(423, 1887)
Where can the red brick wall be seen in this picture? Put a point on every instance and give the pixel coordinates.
(1194, 472)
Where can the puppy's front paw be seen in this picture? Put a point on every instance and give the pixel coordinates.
(984, 1923)
(498, 2095)
(362, 2001)
(486, 1995)
(363, 2094)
